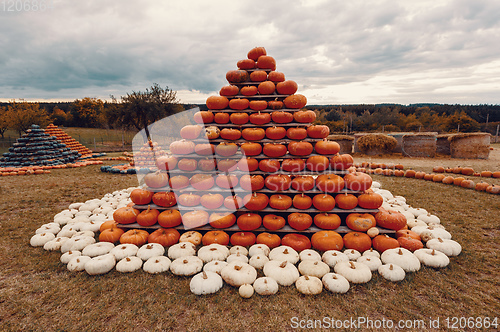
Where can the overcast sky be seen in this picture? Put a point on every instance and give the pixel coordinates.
(339, 52)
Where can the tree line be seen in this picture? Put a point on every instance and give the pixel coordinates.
(138, 109)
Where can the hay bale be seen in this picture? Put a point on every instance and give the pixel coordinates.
(443, 144)
(357, 136)
(420, 145)
(345, 142)
(470, 145)
(373, 144)
(399, 138)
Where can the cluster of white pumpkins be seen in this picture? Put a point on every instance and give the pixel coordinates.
(73, 234)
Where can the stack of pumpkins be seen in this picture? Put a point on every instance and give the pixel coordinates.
(38, 148)
(254, 163)
(70, 142)
(147, 155)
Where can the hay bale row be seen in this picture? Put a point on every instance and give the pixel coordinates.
(399, 139)
(470, 145)
(373, 144)
(420, 145)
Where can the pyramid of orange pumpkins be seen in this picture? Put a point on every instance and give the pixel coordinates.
(70, 142)
(254, 168)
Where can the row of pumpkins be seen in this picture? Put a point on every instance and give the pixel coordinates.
(252, 268)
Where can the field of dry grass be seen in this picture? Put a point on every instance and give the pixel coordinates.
(37, 293)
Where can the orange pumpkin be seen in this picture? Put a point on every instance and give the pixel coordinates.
(370, 200)
(390, 219)
(164, 236)
(126, 215)
(108, 224)
(135, 236)
(148, 217)
(244, 239)
(383, 242)
(219, 237)
(410, 243)
(298, 242)
(357, 241)
(111, 234)
(360, 222)
(271, 240)
(273, 222)
(346, 201)
(327, 240)
(169, 218)
(327, 220)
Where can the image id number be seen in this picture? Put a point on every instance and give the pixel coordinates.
(26, 5)
(471, 322)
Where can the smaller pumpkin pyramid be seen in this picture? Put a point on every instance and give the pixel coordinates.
(38, 148)
(147, 155)
(70, 142)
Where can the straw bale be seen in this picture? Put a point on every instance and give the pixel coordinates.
(470, 145)
(376, 144)
(420, 145)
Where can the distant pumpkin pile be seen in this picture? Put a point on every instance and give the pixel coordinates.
(69, 141)
(253, 173)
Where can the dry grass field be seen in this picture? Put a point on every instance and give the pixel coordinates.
(38, 293)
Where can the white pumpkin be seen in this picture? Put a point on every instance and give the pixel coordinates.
(332, 257)
(284, 272)
(51, 227)
(77, 264)
(309, 285)
(237, 257)
(352, 254)
(100, 264)
(259, 249)
(205, 282)
(181, 249)
(129, 264)
(124, 250)
(67, 256)
(448, 247)
(258, 261)
(401, 257)
(371, 261)
(97, 249)
(392, 272)
(213, 252)
(354, 272)
(313, 268)
(265, 286)
(186, 266)
(238, 249)
(39, 240)
(371, 252)
(429, 218)
(149, 250)
(77, 242)
(335, 283)
(156, 264)
(214, 266)
(309, 254)
(238, 273)
(246, 291)
(55, 244)
(432, 257)
(284, 253)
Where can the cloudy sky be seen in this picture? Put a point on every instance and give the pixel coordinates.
(339, 52)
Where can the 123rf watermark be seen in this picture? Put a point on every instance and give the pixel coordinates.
(452, 323)
(26, 5)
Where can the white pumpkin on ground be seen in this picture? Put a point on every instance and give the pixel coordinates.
(181, 249)
(448, 247)
(124, 250)
(246, 291)
(67, 256)
(309, 285)
(313, 268)
(97, 249)
(158, 264)
(283, 253)
(354, 272)
(284, 272)
(84, 233)
(238, 273)
(371, 252)
(51, 227)
(55, 244)
(401, 257)
(67, 232)
(386, 194)
(92, 225)
(100, 264)
(400, 198)
(432, 257)
(265, 286)
(259, 249)
(39, 240)
(376, 185)
(214, 266)
(63, 219)
(129, 264)
(408, 215)
(429, 218)
(149, 250)
(258, 261)
(372, 262)
(392, 272)
(411, 223)
(309, 254)
(237, 257)
(332, 257)
(205, 282)
(335, 283)
(417, 211)
(75, 206)
(77, 264)
(352, 254)
(186, 266)
(213, 252)
(77, 242)
(238, 249)
(432, 232)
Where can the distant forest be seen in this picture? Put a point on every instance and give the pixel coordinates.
(91, 112)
